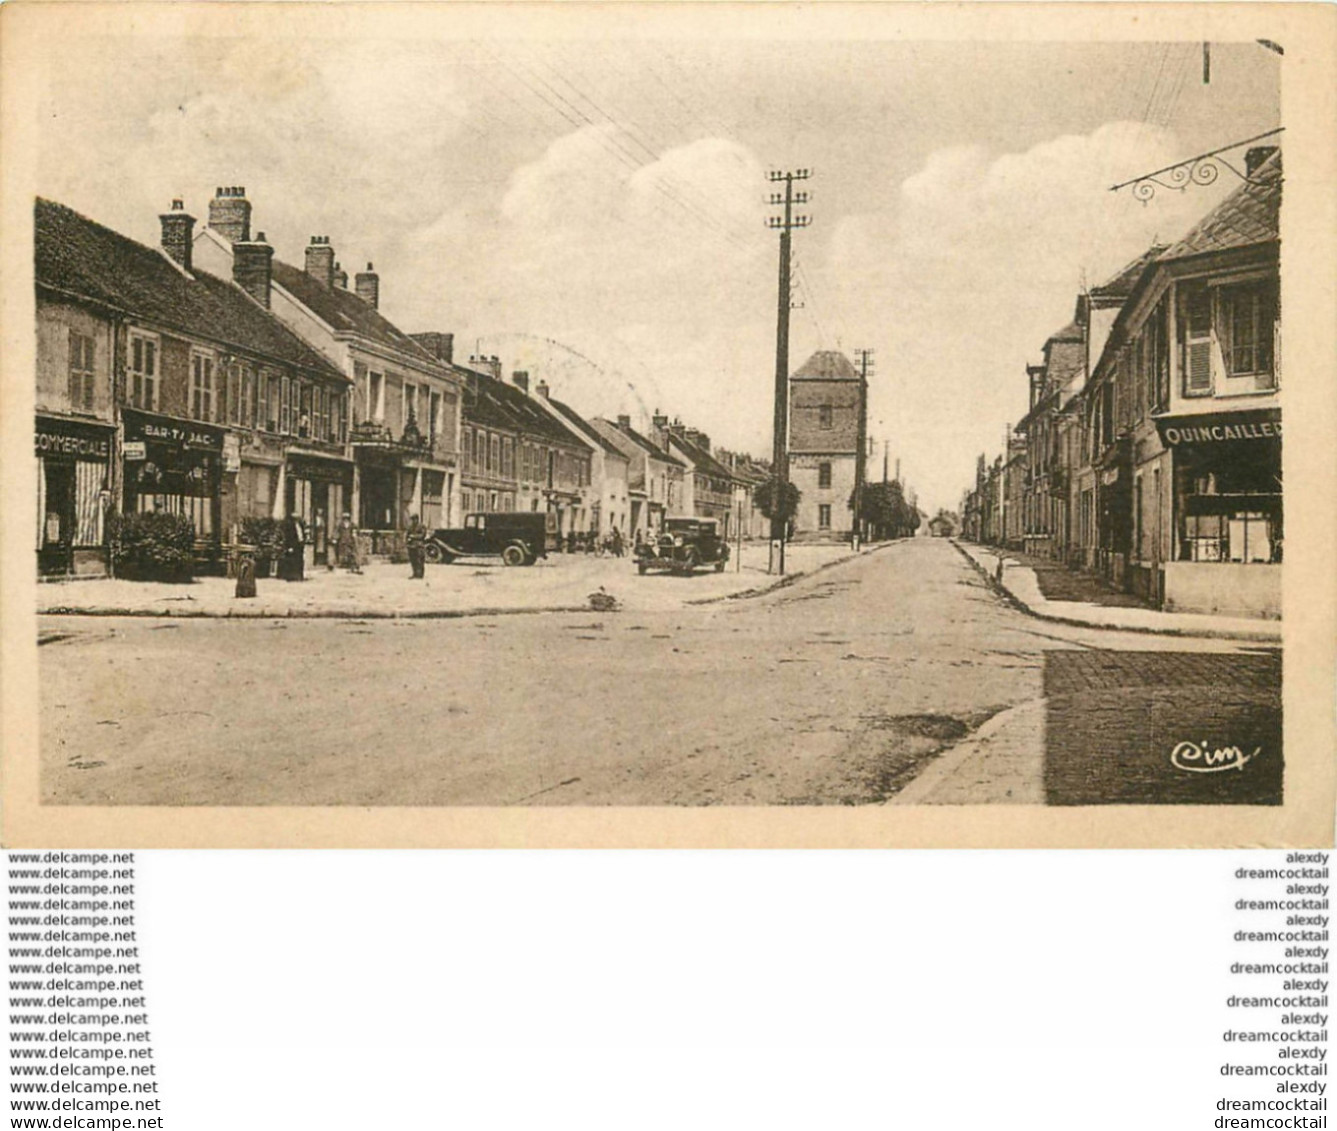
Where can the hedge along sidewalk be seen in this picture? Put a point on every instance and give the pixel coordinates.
(383, 591)
(1019, 585)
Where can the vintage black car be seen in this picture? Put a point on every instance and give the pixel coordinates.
(683, 545)
(519, 538)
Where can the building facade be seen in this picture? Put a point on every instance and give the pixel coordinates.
(824, 399)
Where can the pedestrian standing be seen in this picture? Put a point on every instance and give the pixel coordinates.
(617, 542)
(415, 538)
(293, 565)
(346, 545)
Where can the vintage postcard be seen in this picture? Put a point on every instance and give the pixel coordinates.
(668, 425)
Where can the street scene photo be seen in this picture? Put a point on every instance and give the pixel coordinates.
(505, 421)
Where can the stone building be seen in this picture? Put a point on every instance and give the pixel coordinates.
(824, 394)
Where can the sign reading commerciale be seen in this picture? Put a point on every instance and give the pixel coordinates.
(1220, 427)
(72, 439)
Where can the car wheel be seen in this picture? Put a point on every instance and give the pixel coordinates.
(689, 563)
(513, 555)
(434, 554)
(719, 566)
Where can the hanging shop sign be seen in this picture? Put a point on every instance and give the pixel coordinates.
(1220, 427)
(135, 450)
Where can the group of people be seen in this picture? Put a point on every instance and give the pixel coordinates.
(611, 545)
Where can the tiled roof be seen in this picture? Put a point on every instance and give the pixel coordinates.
(495, 404)
(79, 257)
(828, 364)
(610, 431)
(342, 310)
(583, 425)
(1121, 285)
(1249, 215)
(702, 459)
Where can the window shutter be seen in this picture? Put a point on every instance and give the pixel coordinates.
(76, 382)
(1196, 326)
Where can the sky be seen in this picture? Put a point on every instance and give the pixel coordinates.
(595, 211)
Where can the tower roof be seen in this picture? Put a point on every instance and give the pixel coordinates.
(826, 365)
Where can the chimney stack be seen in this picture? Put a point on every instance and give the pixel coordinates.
(520, 379)
(253, 267)
(178, 233)
(230, 214)
(340, 277)
(542, 389)
(320, 260)
(440, 346)
(1256, 156)
(367, 285)
(624, 422)
(490, 365)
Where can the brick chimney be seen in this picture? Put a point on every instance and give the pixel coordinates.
(624, 422)
(542, 389)
(1254, 157)
(178, 232)
(340, 277)
(367, 285)
(489, 365)
(230, 214)
(520, 379)
(253, 267)
(320, 260)
(440, 346)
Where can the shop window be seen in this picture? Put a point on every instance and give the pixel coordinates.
(202, 393)
(1195, 339)
(824, 516)
(1247, 315)
(81, 372)
(142, 380)
(823, 475)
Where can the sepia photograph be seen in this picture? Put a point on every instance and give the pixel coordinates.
(511, 412)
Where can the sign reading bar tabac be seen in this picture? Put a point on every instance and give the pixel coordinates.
(1220, 427)
(178, 434)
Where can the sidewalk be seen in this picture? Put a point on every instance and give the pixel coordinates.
(1021, 585)
(479, 586)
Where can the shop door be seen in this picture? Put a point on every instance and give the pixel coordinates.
(378, 499)
(57, 552)
(320, 522)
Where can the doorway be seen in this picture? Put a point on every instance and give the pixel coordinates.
(56, 554)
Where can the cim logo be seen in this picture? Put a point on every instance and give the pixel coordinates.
(1195, 758)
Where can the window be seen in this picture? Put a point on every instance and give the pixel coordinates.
(81, 372)
(434, 417)
(824, 416)
(466, 501)
(376, 397)
(824, 516)
(1246, 328)
(247, 398)
(494, 455)
(285, 406)
(201, 386)
(410, 404)
(1195, 339)
(823, 475)
(142, 380)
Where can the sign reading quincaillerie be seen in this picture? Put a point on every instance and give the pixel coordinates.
(1220, 427)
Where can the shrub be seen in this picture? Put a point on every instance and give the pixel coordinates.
(153, 546)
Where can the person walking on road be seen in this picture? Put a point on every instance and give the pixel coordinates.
(346, 545)
(415, 538)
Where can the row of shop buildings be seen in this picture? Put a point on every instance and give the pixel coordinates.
(207, 378)
(1151, 450)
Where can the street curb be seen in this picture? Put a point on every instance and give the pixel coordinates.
(1076, 622)
(311, 614)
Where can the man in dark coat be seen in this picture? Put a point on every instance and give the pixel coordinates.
(415, 539)
(293, 565)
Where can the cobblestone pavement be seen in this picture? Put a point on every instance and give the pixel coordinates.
(840, 689)
(1147, 728)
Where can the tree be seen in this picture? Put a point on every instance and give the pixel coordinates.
(765, 497)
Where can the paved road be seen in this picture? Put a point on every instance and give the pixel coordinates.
(837, 690)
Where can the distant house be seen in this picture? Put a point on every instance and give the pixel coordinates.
(610, 469)
(707, 485)
(824, 397)
(654, 476)
(164, 387)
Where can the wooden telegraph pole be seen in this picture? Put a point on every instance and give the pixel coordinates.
(861, 459)
(780, 447)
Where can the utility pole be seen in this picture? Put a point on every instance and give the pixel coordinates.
(860, 462)
(886, 451)
(780, 452)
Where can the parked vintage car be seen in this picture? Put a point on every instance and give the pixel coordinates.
(683, 545)
(518, 538)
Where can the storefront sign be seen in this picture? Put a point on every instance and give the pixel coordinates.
(321, 470)
(72, 439)
(1220, 428)
(181, 435)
